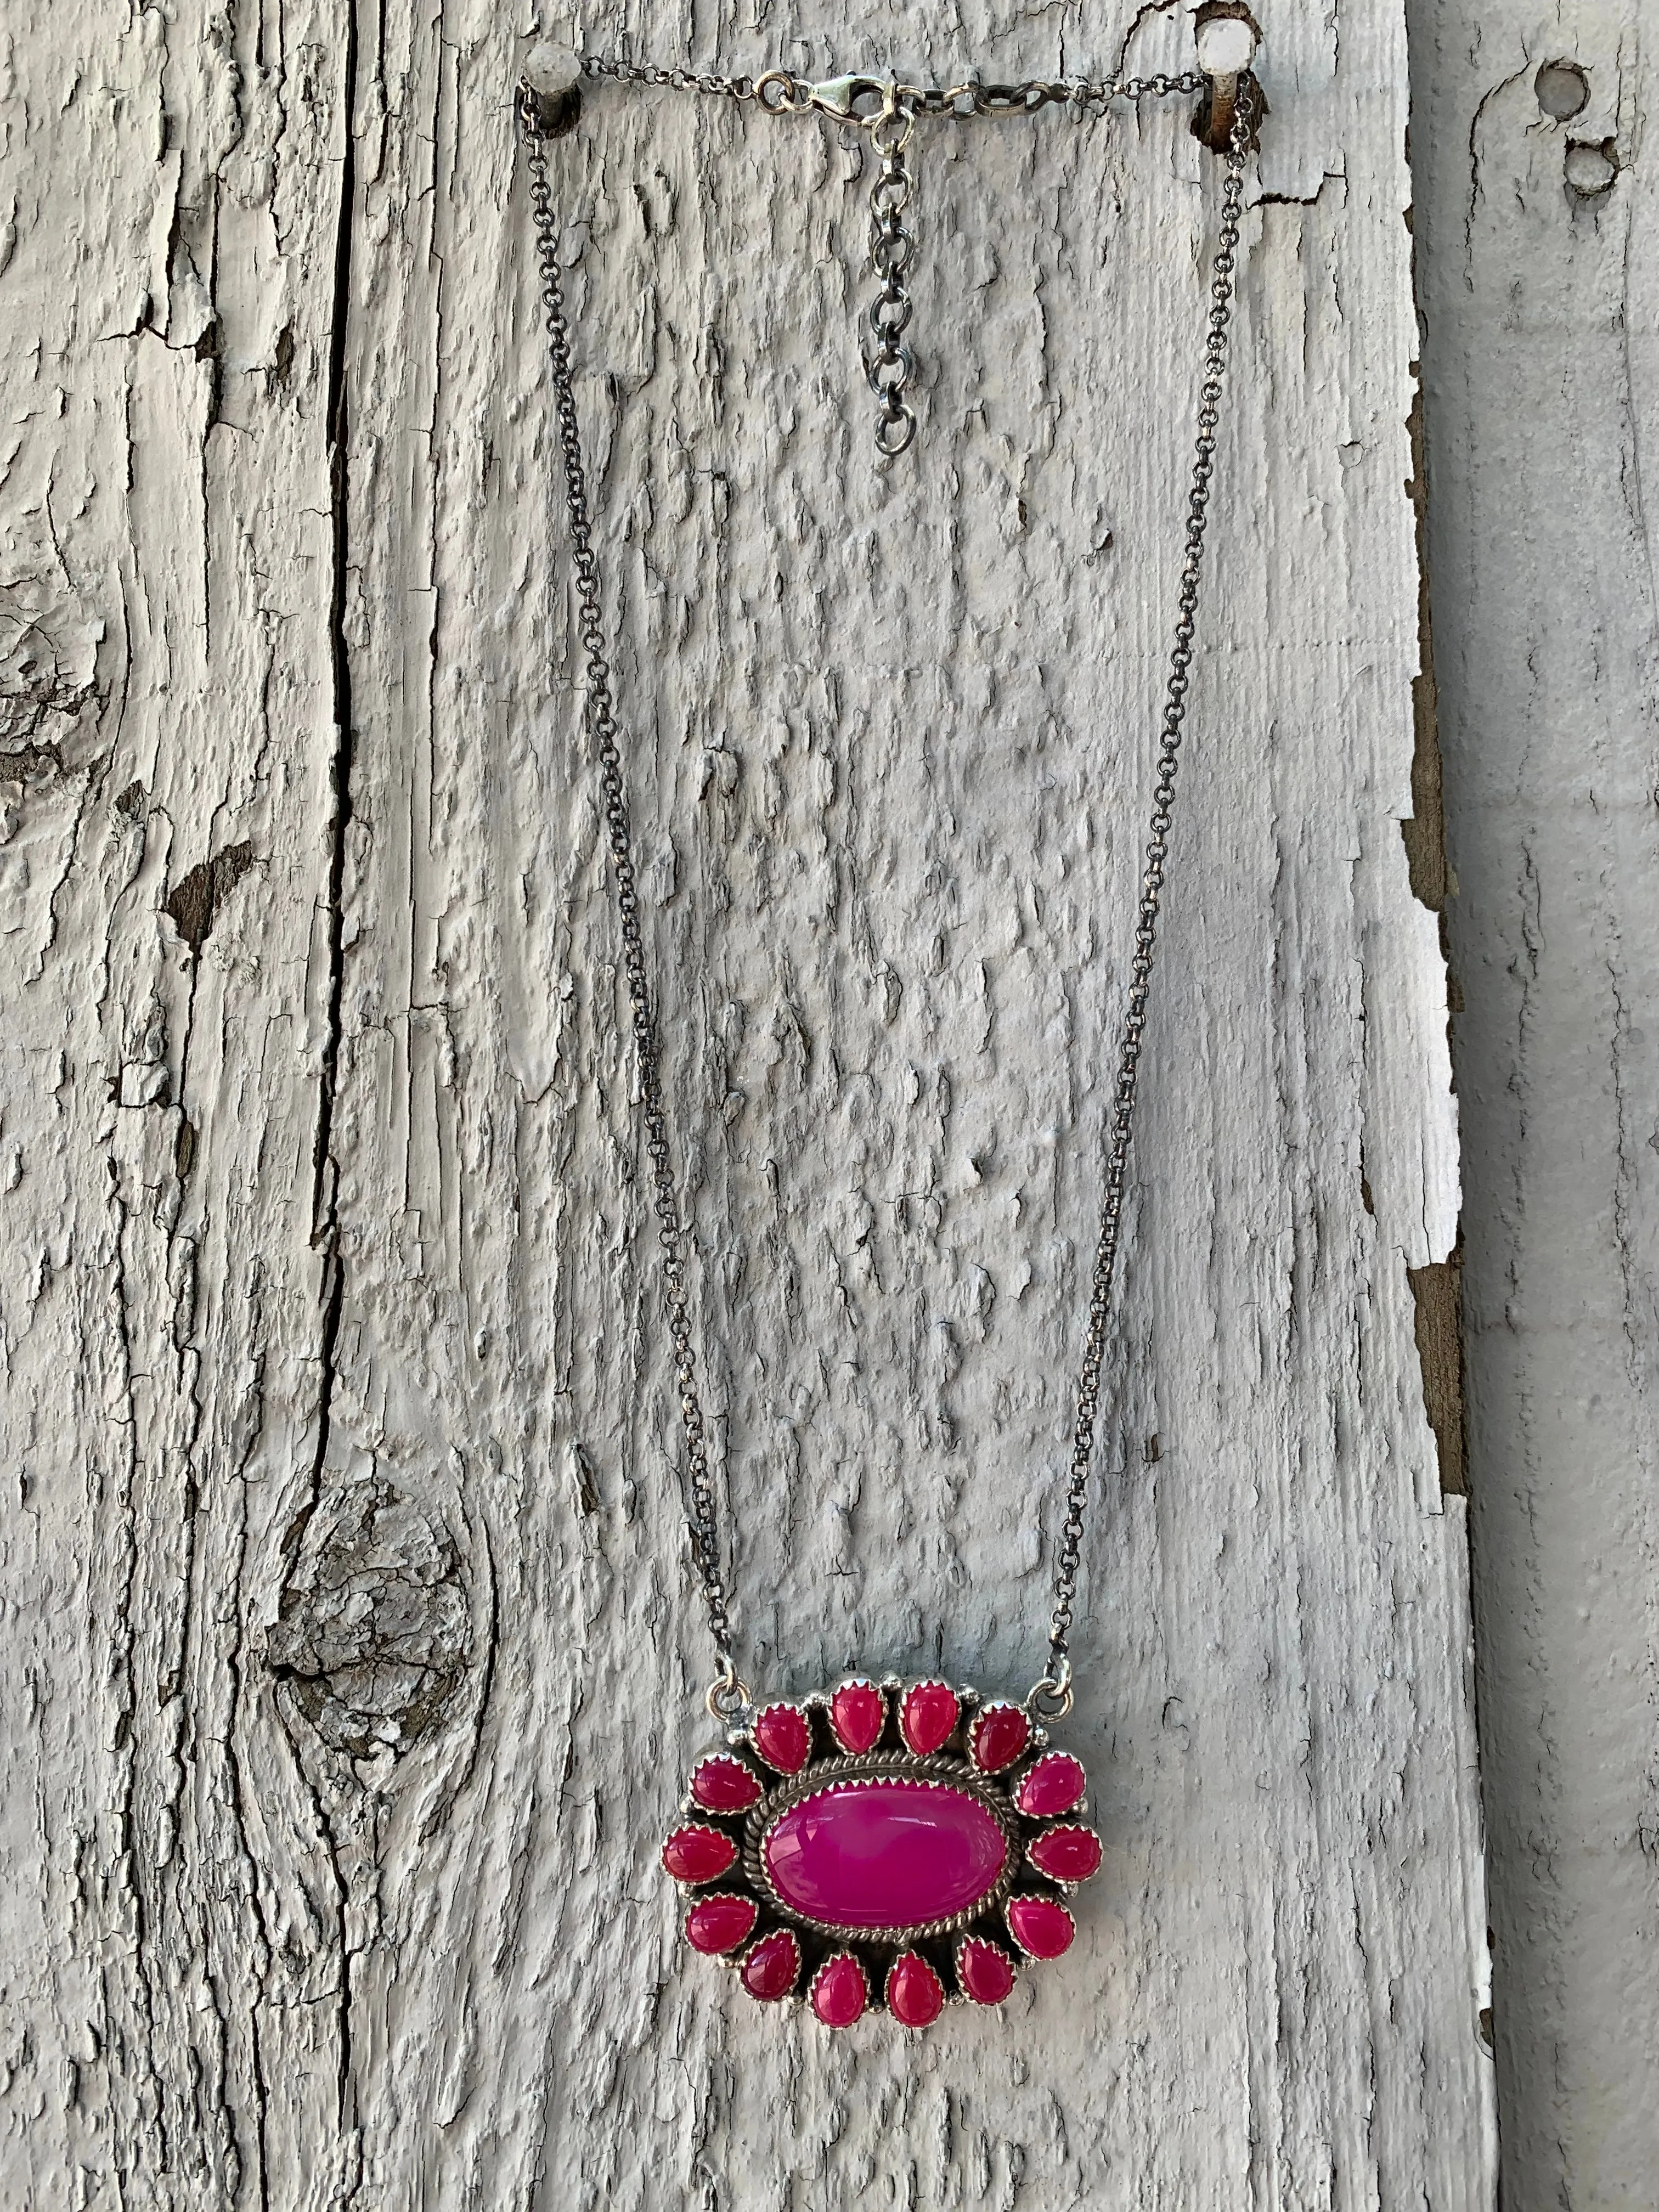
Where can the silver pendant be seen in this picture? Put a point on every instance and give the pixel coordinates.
(882, 1846)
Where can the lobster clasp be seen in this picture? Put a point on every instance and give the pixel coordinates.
(849, 99)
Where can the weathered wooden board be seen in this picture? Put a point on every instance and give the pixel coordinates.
(1535, 222)
(345, 1575)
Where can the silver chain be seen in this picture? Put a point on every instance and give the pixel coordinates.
(784, 93)
(1052, 1695)
(1057, 1680)
(668, 79)
(601, 719)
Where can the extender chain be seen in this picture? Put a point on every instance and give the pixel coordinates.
(887, 109)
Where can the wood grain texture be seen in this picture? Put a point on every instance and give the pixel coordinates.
(1542, 382)
(345, 1572)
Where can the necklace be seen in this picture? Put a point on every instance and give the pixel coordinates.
(885, 1842)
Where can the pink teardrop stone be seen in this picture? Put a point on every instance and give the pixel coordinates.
(997, 1737)
(719, 1923)
(698, 1854)
(1066, 1854)
(1040, 1926)
(839, 1992)
(1053, 1785)
(985, 1971)
(782, 1737)
(915, 1995)
(890, 1855)
(928, 1715)
(773, 1967)
(857, 1713)
(724, 1784)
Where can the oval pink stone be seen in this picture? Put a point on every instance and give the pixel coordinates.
(885, 1854)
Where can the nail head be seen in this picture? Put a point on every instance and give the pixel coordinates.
(1226, 45)
(552, 70)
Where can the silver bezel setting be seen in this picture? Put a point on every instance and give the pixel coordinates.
(826, 1776)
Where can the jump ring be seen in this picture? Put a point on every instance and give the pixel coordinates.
(900, 361)
(776, 91)
(1050, 1699)
(888, 317)
(890, 143)
(892, 189)
(728, 1694)
(904, 423)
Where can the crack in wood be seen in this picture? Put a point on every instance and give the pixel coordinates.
(1437, 1323)
(1424, 828)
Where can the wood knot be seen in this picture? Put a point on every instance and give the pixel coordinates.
(373, 1635)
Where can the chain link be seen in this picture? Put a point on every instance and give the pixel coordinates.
(889, 368)
(1222, 270)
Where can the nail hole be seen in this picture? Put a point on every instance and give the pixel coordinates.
(1562, 88)
(1589, 169)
